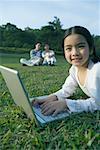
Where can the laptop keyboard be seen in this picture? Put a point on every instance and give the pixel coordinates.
(50, 118)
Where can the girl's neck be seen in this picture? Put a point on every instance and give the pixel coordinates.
(84, 67)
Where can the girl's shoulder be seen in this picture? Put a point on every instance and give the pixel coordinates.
(96, 65)
(72, 70)
(96, 69)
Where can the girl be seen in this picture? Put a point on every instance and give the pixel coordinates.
(79, 51)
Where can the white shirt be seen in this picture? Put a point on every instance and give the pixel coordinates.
(91, 88)
(48, 53)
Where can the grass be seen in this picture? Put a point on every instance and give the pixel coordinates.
(78, 132)
(14, 50)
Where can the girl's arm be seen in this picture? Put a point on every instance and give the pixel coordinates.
(68, 87)
(82, 105)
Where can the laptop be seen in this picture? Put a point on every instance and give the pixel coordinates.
(21, 98)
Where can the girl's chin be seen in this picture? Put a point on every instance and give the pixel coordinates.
(80, 64)
(76, 63)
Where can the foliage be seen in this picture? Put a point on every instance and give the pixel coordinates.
(56, 24)
(11, 36)
(97, 43)
(18, 132)
(9, 50)
(14, 37)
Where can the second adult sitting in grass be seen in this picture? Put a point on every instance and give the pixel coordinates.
(48, 56)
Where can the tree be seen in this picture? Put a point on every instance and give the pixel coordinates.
(46, 34)
(11, 36)
(10, 27)
(56, 24)
(97, 44)
(58, 34)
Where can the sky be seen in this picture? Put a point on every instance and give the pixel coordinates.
(37, 13)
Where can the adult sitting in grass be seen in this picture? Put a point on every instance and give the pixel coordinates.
(48, 56)
(35, 57)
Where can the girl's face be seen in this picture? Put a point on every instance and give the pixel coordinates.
(76, 50)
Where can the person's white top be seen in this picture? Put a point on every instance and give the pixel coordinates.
(91, 88)
(49, 53)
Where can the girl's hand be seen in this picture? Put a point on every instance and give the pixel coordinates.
(39, 102)
(53, 107)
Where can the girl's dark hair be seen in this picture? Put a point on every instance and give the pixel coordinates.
(87, 35)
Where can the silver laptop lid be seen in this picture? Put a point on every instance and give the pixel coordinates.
(17, 90)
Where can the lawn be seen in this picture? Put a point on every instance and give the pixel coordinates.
(78, 132)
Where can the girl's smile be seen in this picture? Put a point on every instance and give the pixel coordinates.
(76, 50)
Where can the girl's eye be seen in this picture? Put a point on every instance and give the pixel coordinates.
(81, 46)
(68, 49)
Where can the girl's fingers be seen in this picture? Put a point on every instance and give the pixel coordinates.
(48, 112)
(55, 113)
(45, 104)
(33, 102)
(48, 109)
(45, 108)
(36, 102)
(43, 101)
